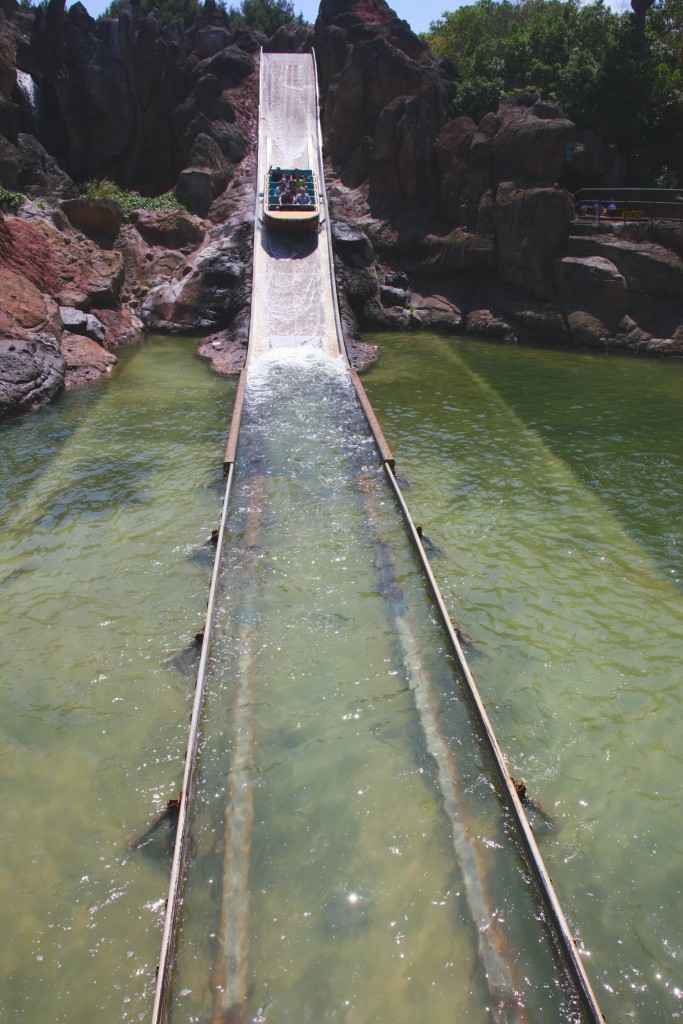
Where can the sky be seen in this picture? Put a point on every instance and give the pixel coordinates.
(418, 13)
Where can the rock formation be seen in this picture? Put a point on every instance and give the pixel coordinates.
(438, 222)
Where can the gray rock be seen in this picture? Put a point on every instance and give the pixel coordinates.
(40, 174)
(352, 244)
(31, 372)
(78, 322)
(587, 330)
(396, 279)
(486, 323)
(394, 296)
(591, 281)
(210, 40)
(9, 164)
(96, 218)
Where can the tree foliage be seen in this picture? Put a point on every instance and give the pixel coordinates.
(262, 15)
(265, 15)
(605, 69)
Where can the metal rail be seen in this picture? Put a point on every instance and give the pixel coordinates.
(187, 791)
(561, 930)
(230, 975)
(496, 958)
(533, 856)
(328, 223)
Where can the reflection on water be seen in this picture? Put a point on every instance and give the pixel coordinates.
(103, 496)
(554, 483)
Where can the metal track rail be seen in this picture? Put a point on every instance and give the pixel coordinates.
(187, 792)
(532, 854)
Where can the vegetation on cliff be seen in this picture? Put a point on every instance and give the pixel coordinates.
(605, 69)
(129, 201)
(261, 15)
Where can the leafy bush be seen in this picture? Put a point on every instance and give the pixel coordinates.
(607, 70)
(262, 15)
(131, 201)
(11, 200)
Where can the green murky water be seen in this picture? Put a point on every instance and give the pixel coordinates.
(368, 874)
(104, 497)
(552, 484)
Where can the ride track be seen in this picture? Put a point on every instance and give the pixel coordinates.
(294, 306)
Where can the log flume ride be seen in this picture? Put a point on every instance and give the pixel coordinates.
(295, 310)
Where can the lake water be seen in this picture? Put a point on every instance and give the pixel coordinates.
(551, 484)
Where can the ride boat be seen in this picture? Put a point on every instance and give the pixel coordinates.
(291, 200)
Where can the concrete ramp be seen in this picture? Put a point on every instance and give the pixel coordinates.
(293, 304)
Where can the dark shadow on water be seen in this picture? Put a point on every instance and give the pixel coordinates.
(158, 839)
(186, 662)
(289, 246)
(205, 554)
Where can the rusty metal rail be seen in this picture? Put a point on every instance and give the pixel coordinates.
(527, 841)
(532, 854)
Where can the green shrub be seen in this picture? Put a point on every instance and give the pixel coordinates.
(131, 201)
(11, 200)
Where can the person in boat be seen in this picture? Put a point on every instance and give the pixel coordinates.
(287, 199)
(302, 197)
(297, 179)
(275, 174)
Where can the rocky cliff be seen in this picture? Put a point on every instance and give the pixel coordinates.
(438, 222)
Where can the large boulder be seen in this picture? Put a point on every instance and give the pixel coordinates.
(587, 330)
(490, 325)
(531, 148)
(25, 311)
(85, 359)
(64, 264)
(435, 313)
(96, 218)
(442, 256)
(39, 173)
(9, 164)
(205, 299)
(591, 281)
(352, 244)
(77, 322)
(31, 372)
(532, 226)
(176, 230)
(648, 268)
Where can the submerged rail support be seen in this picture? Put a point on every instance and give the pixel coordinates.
(535, 861)
(532, 853)
(187, 792)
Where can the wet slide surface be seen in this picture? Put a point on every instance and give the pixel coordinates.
(292, 304)
(351, 859)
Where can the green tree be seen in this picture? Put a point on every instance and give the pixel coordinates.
(265, 15)
(182, 12)
(608, 71)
